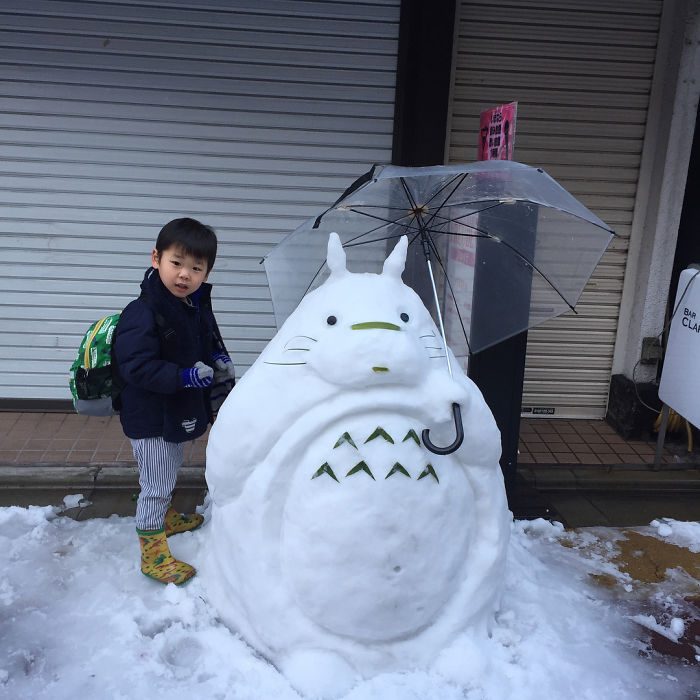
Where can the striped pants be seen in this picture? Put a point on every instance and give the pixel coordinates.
(158, 462)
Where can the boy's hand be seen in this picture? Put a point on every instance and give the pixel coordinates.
(223, 362)
(198, 377)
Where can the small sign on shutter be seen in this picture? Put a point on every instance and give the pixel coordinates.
(497, 132)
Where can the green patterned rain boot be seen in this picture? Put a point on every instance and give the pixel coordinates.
(180, 522)
(158, 563)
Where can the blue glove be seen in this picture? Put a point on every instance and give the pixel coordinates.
(223, 363)
(198, 377)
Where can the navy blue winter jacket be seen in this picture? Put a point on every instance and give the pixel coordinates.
(149, 357)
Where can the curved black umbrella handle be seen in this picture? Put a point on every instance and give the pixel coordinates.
(457, 414)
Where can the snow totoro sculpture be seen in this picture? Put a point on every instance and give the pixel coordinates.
(339, 546)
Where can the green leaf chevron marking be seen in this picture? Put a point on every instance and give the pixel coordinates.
(429, 470)
(411, 435)
(325, 469)
(380, 432)
(345, 437)
(397, 468)
(360, 467)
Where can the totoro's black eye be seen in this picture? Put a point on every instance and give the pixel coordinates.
(331, 320)
(404, 317)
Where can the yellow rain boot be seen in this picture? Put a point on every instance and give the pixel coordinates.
(158, 563)
(180, 522)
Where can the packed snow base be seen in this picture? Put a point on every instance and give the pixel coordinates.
(79, 620)
(338, 542)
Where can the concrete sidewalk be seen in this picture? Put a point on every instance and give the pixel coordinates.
(579, 472)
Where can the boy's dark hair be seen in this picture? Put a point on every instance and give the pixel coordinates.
(195, 238)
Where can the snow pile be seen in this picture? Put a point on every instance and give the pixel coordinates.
(78, 619)
(683, 534)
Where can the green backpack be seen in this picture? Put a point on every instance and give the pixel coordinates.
(93, 384)
(94, 379)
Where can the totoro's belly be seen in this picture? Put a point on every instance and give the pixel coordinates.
(375, 529)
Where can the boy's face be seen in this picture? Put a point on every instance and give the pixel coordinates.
(182, 274)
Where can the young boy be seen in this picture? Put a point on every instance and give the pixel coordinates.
(166, 347)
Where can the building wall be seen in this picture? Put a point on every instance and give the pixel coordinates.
(662, 188)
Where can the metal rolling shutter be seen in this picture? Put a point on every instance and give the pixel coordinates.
(581, 74)
(118, 116)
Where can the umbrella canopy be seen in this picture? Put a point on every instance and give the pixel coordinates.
(511, 248)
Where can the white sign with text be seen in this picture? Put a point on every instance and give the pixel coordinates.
(680, 378)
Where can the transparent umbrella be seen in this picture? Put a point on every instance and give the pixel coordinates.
(500, 246)
(524, 235)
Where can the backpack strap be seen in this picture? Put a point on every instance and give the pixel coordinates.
(167, 333)
(219, 339)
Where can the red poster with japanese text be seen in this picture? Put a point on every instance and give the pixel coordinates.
(497, 132)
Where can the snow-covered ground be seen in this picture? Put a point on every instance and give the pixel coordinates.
(78, 620)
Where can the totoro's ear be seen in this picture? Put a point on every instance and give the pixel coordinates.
(336, 255)
(395, 263)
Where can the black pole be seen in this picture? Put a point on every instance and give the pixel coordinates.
(423, 76)
(499, 371)
(422, 101)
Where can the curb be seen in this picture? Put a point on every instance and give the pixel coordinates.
(630, 478)
(106, 489)
(112, 475)
(544, 477)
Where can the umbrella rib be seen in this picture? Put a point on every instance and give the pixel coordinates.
(486, 234)
(352, 241)
(446, 185)
(357, 208)
(534, 267)
(603, 227)
(409, 195)
(458, 219)
(434, 214)
(406, 228)
(313, 279)
(396, 222)
(383, 238)
(531, 263)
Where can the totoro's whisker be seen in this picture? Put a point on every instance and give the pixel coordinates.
(433, 357)
(296, 337)
(430, 335)
(284, 363)
(293, 349)
(433, 347)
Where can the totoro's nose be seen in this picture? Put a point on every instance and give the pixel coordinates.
(381, 325)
